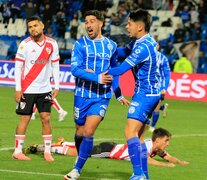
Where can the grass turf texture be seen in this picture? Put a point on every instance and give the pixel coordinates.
(187, 121)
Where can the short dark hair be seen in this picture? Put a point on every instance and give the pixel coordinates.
(98, 14)
(33, 18)
(160, 132)
(142, 15)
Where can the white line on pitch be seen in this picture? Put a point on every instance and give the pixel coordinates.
(45, 174)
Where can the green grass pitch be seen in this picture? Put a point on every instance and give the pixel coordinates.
(186, 120)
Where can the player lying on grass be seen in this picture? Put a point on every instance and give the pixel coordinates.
(155, 146)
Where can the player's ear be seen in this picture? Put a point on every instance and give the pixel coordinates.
(43, 26)
(101, 23)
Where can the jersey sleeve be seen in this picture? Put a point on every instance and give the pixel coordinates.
(55, 73)
(76, 65)
(161, 153)
(115, 82)
(166, 72)
(123, 52)
(20, 55)
(139, 54)
(55, 55)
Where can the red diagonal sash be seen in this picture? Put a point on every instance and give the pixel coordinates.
(119, 152)
(38, 66)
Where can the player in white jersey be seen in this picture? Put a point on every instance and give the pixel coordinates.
(36, 57)
(155, 146)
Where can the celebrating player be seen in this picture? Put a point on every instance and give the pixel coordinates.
(146, 94)
(164, 70)
(92, 55)
(37, 55)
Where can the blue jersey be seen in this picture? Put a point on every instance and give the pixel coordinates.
(143, 60)
(98, 55)
(164, 70)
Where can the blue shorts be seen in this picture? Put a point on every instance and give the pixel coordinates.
(84, 107)
(142, 106)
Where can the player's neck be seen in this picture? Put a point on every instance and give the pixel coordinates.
(99, 36)
(141, 34)
(38, 39)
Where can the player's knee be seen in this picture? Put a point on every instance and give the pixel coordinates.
(88, 132)
(45, 119)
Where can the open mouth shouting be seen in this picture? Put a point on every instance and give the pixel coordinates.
(90, 32)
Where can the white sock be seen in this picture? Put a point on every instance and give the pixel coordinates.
(19, 143)
(47, 142)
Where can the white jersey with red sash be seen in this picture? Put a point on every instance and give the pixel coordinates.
(37, 59)
(120, 151)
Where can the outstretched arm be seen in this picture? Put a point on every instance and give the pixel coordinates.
(172, 159)
(159, 163)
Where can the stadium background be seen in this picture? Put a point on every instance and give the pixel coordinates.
(64, 22)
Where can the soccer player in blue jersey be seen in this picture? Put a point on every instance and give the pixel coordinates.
(92, 55)
(143, 60)
(164, 70)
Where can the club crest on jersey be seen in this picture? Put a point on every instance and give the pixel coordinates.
(109, 46)
(22, 105)
(48, 50)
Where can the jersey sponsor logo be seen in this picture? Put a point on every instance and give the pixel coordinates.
(39, 61)
(103, 55)
(22, 105)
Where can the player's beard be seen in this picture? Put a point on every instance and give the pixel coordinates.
(94, 35)
(37, 36)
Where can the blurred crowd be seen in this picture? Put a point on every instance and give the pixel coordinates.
(63, 21)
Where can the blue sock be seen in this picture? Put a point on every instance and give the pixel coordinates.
(134, 149)
(78, 141)
(155, 117)
(162, 107)
(84, 152)
(144, 158)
